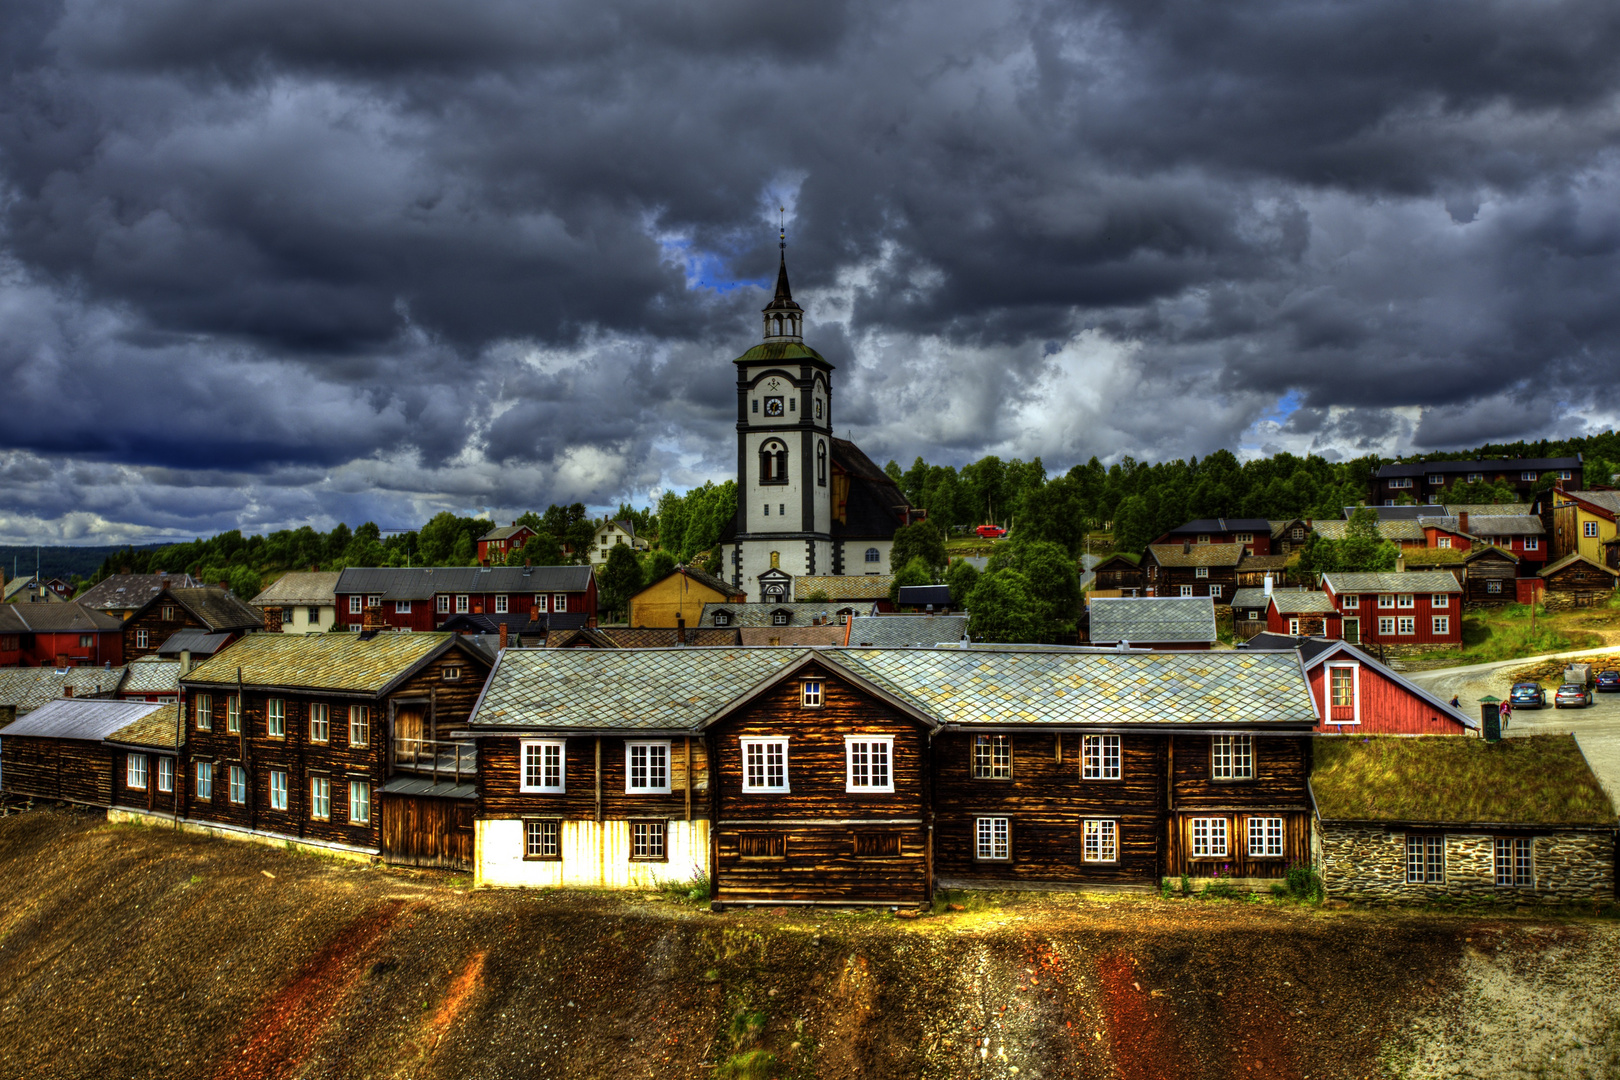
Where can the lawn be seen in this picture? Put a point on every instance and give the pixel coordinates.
(1509, 632)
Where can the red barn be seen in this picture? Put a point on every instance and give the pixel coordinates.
(58, 635)
(495, 545)
(425, 598)
(1355, 694)
(1415, 611)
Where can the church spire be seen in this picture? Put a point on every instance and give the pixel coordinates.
(784, 320)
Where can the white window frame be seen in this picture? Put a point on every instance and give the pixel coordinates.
(1442, 624)
(402, 607)
(868, 741)
(542, 839)
(1443, 542)
(995, 763)
(320, 722)
(320, 798)
(141, 639)
(540, 599)
(1186, 590)
(1589, 529)
(1215, 591)
(278, 789)
(763, 767)
(1231, 757)
(1271, 834)
(204, 705)
(237, 785)
(1566, 474)
(441, 603)
(1532, 543)
(275, 718)
(535, 761)
(165, 774)
(1101, 757)
(374, 600)
(1355, 693)
(1201, 572)
(357, 604)
(359, 724)
(1426, 854)
(1351, 601)
(650, 828)
(559, 603)
(1099, 840)
(1405, 626)
(135, 771)
(1203, 538)
(501, 603)
(1405, 600)
(1513, 862)
(1211, 837)
(992, 839)
(1386, 600)
(1527, 477)
(652, 749)
(359, 802)
(463, 603)
(1440, 599)
(205, 781)
(812, 693)
(1243, 538)
(1386, 626)
(1400, 482)
(1293, 627)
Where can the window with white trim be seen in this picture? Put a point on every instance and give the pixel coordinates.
(1231, 757)
(1566, 474)
(1527, 476)
(320, 798)
(357, 605)
(1404, 600)
(141, 639)
(542, 840)
(1352, 600)
(810, 693)
(275, 717)
(1209, 838)
(165, 771)
(500, 603)
(135, 771)
(441, 603)
(1442, 624)
(1493, 585)
(1202, 572)
(1386, 600)
(1100, 840)
(559, 602)
(1589, 528)
(869, 762)
(359, 725)
(1443, 542)
(402, 607)
(992, 839)
(1400, 482)
(1293, 627)
(463, 603)
(1099, 757)
(1265, 837)
(1532, 543)
(1186, 590)
(1342, 683)
(1215, 591)
(1203, 538)
(540, 602)
(545, 765)
(1515, 862)
(238, 784)
(1406, 625)
(646, 768)
(1440, 599)
(992, 757)
(1386, 627)
(1425, 860)
(765, 765)
(278, 789)
(1243, 538)
(205, 712)
(320, 722)
(1436, 478)
(647, 841)
(205, 781)
(359, 802)
(374, 601)
(450, 673)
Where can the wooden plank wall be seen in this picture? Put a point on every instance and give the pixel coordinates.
(1281, 767)
(425, 831)
(499, 781)
(69, 769)
(147, 798)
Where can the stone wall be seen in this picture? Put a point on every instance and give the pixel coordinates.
(1369, 863)
(1565, 601)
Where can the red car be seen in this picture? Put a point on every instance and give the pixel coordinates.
(991, 532)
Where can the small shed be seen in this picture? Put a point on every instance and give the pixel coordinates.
(1411, 820)
(1488, 576)
(1120, 571)
(59, 751)
(1576, 581)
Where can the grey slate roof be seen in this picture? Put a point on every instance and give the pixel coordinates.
(199, 642)
(119, 592)
(1396, 529)
(760, 614)
(80, 718)
(1196, 554)
(57, 617)
(422, 583)
(301, 588)
(26, 689)
(1604, 500)
(844, 587)
(148, 676)
(1489, 509)
(906, 631)
(675, 690)
(1416, 581)
(1505, 525)
(216, 608)
(1305, 603)
(1256, 599)
(1152, 619)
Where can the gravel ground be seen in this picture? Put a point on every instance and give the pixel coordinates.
(137, 952)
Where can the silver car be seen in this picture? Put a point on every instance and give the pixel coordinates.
(1572, 696)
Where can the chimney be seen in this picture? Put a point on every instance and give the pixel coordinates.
(1268, 584)
(1462, 521)
(67, 691)
(185, 661)
(1186, 547)
(503, 627)
(1400, 564)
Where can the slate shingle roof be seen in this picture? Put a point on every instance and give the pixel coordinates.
(27, 689)
(120, 592)
(760, 614)
(422, 583)
(217, 609)
(803, 636)
(1413, 581)
(333, 661)
(156, 730)
(842, 587)
(1488, 509)
(1605, 500)
(1387, 530)
(875, 508)
(1197, 554)
(150, 676)
(199, 642)
(1506, 525)
(55, 618)
(1248, 599)
(906, 631)
(1303, 603)
(80, 718)
(680, 689)
(1152, 619)
(301, 588)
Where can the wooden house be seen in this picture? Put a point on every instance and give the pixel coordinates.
(122, 595)
(1519, 821)
(863, 776)
(146, 762)
(172, 610)
(425, 598)
(1577, 580)
(1122, 572)
(1151, 622)
(301, 602)
(22, 690)
(58, 635)
(1582, 522)
(1249, 611)
(1401, 612)
(59, 751)
(1193, 570)
(35, 589)
(1356, 695)
(1428, 481)
(677, 598)
(610, 534)
(1290, 535)
(495, 546)
(337, 740)
(1252, 534)
(1296, 612)
(1254, 570)
(1489, 575)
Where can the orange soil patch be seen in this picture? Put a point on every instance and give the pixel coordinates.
(455, 999)
(1140, 1031)
(284, 1030)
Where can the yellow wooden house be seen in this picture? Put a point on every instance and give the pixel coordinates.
(677, 598)
(1582, 522)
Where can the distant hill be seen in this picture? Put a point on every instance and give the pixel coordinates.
(61, 562)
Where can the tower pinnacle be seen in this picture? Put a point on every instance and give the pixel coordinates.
(784, 320)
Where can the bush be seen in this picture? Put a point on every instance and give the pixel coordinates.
(1304, 882)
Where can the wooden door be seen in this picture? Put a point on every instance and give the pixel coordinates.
(1352, 631)
(410, 733)
(424, 831)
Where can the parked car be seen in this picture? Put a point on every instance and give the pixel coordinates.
(991, 532)
(1608, 680)
(1528, 695)
(1572, 696)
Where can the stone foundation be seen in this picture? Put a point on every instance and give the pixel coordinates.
(1565, 601)
(1368, 863)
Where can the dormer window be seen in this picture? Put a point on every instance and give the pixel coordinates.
(722, 618)
(779, 618)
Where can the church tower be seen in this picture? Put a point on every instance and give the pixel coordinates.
(784, 455)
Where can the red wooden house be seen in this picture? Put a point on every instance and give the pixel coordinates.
(1293, 611)
(1355, 694)
(426, 598)
(1416, 611)
(1253, 533)
(58, 635)
(495, 545)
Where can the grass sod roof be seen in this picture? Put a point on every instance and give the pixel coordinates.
(1447, 780)
(333, 661)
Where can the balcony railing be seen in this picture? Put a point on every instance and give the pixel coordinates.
(438, 758)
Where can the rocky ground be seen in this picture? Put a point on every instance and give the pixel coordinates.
(130, 951)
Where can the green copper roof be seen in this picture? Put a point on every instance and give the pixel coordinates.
(780, 350)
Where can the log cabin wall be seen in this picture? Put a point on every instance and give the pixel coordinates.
(818, 842)
(452, 698)
(148, 797)
(1046, 802)
(1277, 789)
(1489, 579)
(73, 770)
(157, 629)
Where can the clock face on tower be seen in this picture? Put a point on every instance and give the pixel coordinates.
(773, 406)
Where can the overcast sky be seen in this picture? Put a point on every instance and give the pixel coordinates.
(265, 264)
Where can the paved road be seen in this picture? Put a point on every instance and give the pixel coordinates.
(1596, 729)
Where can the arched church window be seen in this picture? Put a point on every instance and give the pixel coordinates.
(821, 461)
(872, 555)
(773, 462)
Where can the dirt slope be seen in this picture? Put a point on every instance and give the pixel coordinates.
(137, 952)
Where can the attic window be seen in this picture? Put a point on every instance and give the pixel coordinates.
(722, 618)
(168, 612)
(810, 694)
(452, 674)
(779, 618)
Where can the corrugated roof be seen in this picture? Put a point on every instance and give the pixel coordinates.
(906, 631)
(158, 730)
(424, 785)
(760, 614)
(331, 661)
(151, 676)
(200, 642)
(1303, 603)
(421, 583)
(1196, 554)
(1148, 619)
(120, 592)
(300, 588)
(28, 688)
(1413, 581)
(843, 586)
(81, 718)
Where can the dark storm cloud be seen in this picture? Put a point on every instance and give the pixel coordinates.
(307, 260)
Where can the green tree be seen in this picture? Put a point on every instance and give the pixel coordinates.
(1002, 609)
(915, 572)
(963, 578)
(1054, 574)
(656, 564)
(619, 579)
(541, 549)
(921, 540)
